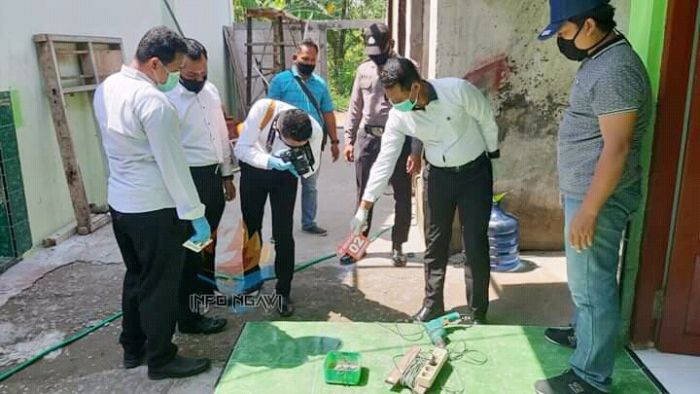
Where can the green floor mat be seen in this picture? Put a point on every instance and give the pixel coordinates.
(287, 357)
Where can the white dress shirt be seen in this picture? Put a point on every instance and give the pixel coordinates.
(251, 145)
(141, 139)
(456, 127)
(204, 132)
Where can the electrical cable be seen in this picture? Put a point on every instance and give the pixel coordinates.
(455, 353)
(12, 371)
(9, 372)
(410, 374)
(411, 337)
(300, 267)
(464, 355)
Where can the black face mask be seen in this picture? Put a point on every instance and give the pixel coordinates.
(380, 59)
(305, 69)
(192, 85)
(568, 47)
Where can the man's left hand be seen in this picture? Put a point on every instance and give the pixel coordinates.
(335, 152)
(358, 224)
(229, 190)
(582, 230)
(413, 164)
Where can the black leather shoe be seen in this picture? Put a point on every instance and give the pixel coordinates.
(134, 360)
(205, 325)
(285, 307)
(347, 260)
(315, 230)
(562, 336)
(398, 257)
(179, 367)
(566, 383)
(427, 314)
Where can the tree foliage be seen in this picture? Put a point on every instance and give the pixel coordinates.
(345, 47)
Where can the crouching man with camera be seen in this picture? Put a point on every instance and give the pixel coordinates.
(278, 144)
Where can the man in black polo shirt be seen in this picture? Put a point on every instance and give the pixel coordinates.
(599, 166)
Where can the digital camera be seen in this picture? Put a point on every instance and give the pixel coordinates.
(302, 158)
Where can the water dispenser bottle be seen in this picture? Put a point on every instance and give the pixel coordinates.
(504, 246)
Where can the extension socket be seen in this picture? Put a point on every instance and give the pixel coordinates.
(197, 246)
(430, 370)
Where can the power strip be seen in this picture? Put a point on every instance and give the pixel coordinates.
(430, 370)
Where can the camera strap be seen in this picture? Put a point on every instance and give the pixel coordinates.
(265, 121)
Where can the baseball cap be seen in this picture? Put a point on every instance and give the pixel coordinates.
(563, 10)
(377, 35)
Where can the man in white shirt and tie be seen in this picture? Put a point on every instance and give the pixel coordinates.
(271, 129)
(152, 198)
(459, 133)
(208, 153)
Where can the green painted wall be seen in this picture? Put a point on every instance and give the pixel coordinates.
(647, 26)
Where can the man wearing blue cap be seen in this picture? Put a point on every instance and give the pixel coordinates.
(600, 180)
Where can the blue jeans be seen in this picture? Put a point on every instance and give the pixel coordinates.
(309, 200)
(592, 276)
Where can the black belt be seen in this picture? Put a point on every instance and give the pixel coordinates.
(376, 131)
(464, 167)
(212, 168)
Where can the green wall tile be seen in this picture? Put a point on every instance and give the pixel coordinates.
(18, 206)
(23, 236)
(8, 142)
(14, 219)
(6, 109)
(13, 177)
(6, 246)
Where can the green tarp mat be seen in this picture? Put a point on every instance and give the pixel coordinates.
(287, 357)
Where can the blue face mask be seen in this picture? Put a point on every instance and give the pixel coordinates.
(407, 105)
(171, 82)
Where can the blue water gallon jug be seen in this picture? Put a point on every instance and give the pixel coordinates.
(504, 245)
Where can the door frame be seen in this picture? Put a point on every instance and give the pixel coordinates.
(672, 336)
(663, 175)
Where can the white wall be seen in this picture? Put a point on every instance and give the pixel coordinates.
(48, 201)
(203, 20)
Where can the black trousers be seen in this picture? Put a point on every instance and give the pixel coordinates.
(210, 189)
(151, 246)
(367, 151)
(281, 186)
(470, 189)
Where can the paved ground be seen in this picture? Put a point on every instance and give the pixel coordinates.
(57, 292)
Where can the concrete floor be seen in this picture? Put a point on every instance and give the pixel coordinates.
(56, 292)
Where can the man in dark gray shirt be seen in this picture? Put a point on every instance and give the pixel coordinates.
(600, 181)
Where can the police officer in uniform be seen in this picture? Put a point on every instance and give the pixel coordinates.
(364, 126)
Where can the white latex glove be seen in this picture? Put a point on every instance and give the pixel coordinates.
(359, 221)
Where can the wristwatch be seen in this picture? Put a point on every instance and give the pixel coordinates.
(335, 142)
